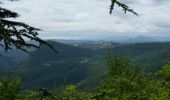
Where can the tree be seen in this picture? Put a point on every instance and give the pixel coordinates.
(70, 92)
(16, 33)
(164, 73)
(9, 88)
(125, 81)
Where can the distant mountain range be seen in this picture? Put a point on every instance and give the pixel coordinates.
(129, 39)
(139, 39)
(145, 39)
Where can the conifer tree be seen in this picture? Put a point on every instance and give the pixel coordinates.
(16, 33)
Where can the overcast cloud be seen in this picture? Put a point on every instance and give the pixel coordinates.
(90, 18)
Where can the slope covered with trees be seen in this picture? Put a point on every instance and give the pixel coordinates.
(84, 65)
(123, 81)
(47, 69)
(152, 56)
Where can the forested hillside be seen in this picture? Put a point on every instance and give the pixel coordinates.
(84, 65)
(123, 80)
(72, 65)
(152, 56)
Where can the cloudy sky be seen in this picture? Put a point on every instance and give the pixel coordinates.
(81, 19)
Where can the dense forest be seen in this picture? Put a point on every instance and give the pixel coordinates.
(124, 80)
(99, 71)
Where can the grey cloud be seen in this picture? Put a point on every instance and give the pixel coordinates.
(74, 18)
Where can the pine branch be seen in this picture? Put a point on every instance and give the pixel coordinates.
(123, 6)
(16, 33)
(4, 13)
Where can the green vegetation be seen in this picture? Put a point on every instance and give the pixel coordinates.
(9, 88)
(83, 66)
(152, 56)
(123, 81)
(72, 65)
(165, 72)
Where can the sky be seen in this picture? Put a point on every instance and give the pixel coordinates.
(90, 19)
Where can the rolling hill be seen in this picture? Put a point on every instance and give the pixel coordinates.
(152, 56)
(72, 65)
(83, 65)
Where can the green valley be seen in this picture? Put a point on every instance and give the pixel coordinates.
(84, 65)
